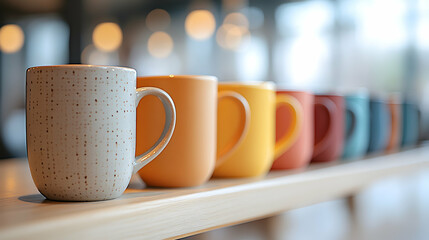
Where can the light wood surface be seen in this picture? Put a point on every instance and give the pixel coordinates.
(170, 213)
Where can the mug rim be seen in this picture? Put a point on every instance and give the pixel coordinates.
(171, 76)
(329, 95)
(263, 84)
(357, 96)
(81, 66)
(280, 91)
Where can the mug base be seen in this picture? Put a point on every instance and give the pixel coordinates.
(57, 198)
(78, 200)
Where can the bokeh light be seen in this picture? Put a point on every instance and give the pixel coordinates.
(92, 55)
(158, 20)
(11, 38)
(232, 37)
(84, 56)
(107, 36)
(237, 19)
(160, 45)
(200, 24)
(234, 33)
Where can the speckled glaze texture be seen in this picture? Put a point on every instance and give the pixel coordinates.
(81, 124)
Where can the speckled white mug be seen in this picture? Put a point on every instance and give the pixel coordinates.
(81, 128)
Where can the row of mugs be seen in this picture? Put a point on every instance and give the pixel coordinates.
(376, 125)
(349, 127)
(86, 124)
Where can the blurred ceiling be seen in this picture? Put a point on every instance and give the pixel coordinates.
(10, 7)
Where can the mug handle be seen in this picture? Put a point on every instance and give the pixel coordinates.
(286, 141)
(230, 148)
(329, 105)
(350, 130)
(170, 123)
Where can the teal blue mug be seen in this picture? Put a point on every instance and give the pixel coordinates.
(410, 124)
(380, 125)
(357, 126)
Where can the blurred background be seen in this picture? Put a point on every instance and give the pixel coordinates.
(317, 45)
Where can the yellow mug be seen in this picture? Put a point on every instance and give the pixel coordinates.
(190, 157)
(258, 147)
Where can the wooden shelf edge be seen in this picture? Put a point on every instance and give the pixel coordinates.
(198, 211)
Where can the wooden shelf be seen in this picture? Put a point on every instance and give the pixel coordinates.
(170, 213)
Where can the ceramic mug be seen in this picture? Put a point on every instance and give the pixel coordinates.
(380, 125)
(255, 155)
(357, 125)
(329, 121)
(81, 130)
(410, 124)
(299, 153)
(190, 158)
(395, 110)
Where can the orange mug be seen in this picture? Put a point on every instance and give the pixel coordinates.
(258, 148)
(190, 157)
(300, 152)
